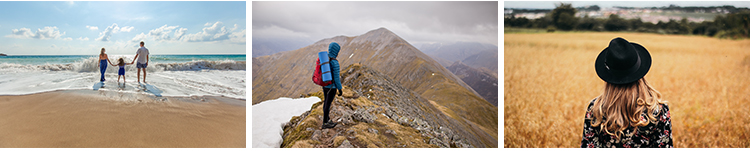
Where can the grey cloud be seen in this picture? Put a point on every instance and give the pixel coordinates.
(413, 21)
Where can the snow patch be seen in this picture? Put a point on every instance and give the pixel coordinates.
(270, 116)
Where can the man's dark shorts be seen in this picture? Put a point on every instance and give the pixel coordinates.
(139, 65)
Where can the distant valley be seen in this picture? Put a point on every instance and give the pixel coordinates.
(474, 63)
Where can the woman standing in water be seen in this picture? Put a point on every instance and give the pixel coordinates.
(103, 60)
(629, 113)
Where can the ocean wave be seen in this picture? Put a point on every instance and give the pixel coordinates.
(91, 65)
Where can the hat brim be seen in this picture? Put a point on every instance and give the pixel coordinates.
(607, 76)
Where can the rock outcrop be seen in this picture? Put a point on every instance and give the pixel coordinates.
(374, 111)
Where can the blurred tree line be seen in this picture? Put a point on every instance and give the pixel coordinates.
(733, 25)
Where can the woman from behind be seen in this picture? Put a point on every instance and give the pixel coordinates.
(630, 112)
(103, 61)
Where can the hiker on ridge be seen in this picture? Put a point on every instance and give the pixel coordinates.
(330, 90)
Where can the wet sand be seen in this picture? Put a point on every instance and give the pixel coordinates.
(103, 119)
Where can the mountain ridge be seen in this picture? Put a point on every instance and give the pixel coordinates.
(374, 111)
(288, 74)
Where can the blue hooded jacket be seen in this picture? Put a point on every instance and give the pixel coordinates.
(333, 52)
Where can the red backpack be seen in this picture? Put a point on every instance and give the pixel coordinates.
(317, 75)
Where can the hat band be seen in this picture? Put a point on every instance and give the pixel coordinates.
(625, 72)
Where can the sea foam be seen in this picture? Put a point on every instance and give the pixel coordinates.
(197, 77)
(92, 65)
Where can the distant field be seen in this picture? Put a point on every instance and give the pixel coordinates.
(523, 30)
(550, 79)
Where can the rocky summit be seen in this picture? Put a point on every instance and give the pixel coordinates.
(374, 111)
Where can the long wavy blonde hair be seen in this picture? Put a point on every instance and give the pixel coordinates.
(623, 104)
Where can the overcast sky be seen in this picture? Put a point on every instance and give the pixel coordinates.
(83, 27)
(607, 4)
(416, 22)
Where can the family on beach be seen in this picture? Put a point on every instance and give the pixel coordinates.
(141, 55)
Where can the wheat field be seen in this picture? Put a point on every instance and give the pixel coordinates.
(550, 79)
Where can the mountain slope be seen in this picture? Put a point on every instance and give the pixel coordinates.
(482, 82)
(289, 74)
(485, 61)
(443, 62)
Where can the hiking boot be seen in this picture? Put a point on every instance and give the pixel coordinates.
(329, 124)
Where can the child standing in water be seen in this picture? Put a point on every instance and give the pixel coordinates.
(121, 72)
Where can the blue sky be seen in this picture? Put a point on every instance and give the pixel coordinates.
(83, 28)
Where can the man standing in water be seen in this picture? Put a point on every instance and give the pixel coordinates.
(142, 61)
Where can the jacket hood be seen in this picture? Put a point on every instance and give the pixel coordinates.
(333, 50)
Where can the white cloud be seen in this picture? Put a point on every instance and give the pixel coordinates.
(44, 33)
(21, 33)
(126, 29)
(139, 37)
(179, 33)
(68, 39)
(162, 33)
(83, 39)
(207, 24)
(238, 37)
(104, 35)
(107, 33)
(92, 27)
(215, 32)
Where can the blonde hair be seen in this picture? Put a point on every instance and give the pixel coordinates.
(623, 104)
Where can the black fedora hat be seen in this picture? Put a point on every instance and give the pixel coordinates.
(622, 62)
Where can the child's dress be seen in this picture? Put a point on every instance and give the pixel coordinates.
(121, 71)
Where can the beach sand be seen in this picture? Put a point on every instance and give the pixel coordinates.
(103, 119)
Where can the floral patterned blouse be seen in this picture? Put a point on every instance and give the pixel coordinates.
(656, 134)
